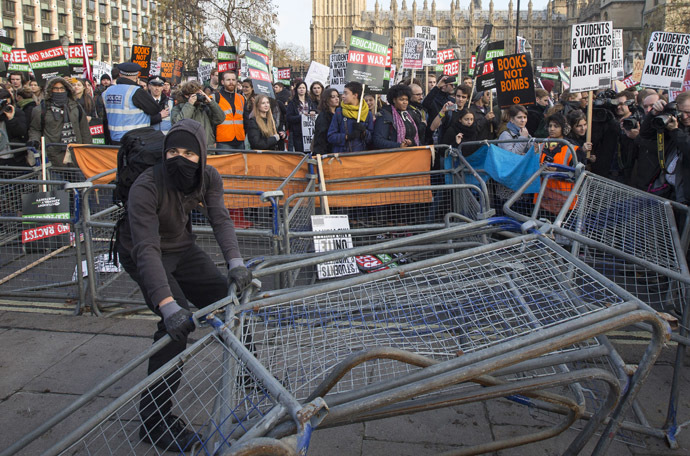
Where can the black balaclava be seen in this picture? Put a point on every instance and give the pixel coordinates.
(184, 174)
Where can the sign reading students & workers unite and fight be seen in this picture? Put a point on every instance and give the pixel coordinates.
(47, 60)
(591, 56)
(617, 71)
(514, 80)
(227, 59)
(338, 68)
(666, 61)
(366, 58)
(142, 56)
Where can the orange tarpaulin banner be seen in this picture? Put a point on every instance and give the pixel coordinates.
(356, 168)
(94, 160)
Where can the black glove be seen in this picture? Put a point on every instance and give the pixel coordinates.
(359, 129)
(178, 321)
(35, 144)
(241, 276)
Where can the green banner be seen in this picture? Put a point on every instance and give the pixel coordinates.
(368, 45)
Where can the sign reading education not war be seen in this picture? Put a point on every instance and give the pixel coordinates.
(47, 60)
(413, 54)
(227, 59)
(142, 56)
(430, 37)
(366, 58)
(485, 76)
(514, 80)
(336, 74)
(258, 72)
(617, 71)
(258, 46)
(591, 56)
(75, 58)
(666, 61)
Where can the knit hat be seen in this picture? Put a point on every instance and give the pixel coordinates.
(182, 139)
(477, 95)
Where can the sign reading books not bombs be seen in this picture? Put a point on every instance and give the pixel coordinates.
(167, 70)
(366, 58)
(591, 56)
(514, 80)
(47, 60)
(142, 56)
(178, 69)
(666, 61)
(258, 72)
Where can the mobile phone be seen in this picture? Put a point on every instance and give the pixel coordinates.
(453, 107)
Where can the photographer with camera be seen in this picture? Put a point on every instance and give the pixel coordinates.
(193, 103)
(605, 132)
(13, 128)
(628, 116)
(663, 165)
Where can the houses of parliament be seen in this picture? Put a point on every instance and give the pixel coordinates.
(547, 31)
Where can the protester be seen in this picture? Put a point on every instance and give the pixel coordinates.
(127, 106)
(16, 79)
(556, 152)
(578, 136)
(213, 83)
(484, 118)
(438, 97)
(156, 247)
(261, 127)
(330, 100)
(36, 91)
(105, 83)
(516, 128)
(230, 133)
(430, 83)
(61, 120)
(83, 98)
(193, 103)
(13, 129)
(395, 126)
(462, 129)
(167, 89)
(315, 91)
(282, 93)
(155, 85)
(25, 102)
(300, 104)
(248, 92)
(350, 129)
(535, 112)
(441, 122)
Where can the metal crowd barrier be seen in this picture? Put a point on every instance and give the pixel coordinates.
(508, 319)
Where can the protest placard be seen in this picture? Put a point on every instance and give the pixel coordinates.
(485, 76)
(5, 49)
(227, 59)
(142, 56)
(442, 56)
(167, 70)
(317, 72)
(366, 58)
(97, 130)
(338, 67)
(284, 75)
(47, 60)
(481, 48)
(155, 67)
(19, 61)
(336, 268)
(308, 123)
(617, 71)
(178, 68)
(258, 72)
(666, 60)
(388, 74)
(591, 56)
(75, 59)
(430, 37)
(473, 64)
(451, 68)
(514, 80)
(413, 54)
(204, 70)
(258, 46)
(101, 68)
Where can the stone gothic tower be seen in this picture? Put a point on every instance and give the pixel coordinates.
(331, 19)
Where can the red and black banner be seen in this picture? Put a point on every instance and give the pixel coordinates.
(6, 49)
(451, 67)
(366, 58)
(142, 56)
(47, 60)
(227, 59)
(97, 130)
(178, 68)
(258, 73)
(514, 80)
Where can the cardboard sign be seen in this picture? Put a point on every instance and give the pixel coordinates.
(443, 56)
(258, 46)
(284, 75)
(75, 58)
(167, 70)
(317, 72)
(258, 72)
(451, 68)
(337, 268)
(178, 68)
(47, 60)
(53, 204)
(308, 123)
(142, 56)
(101, 68)
(204, 69)
(413, 54)
(430, 37)
(227, 59)
(666, 61)
(19, 61)
(617, 71)
(388, 74)
(366, 58)
(97, 130)
(514, 80)
(591, 56)
(338, 67)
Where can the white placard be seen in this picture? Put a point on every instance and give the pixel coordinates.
(204, 71)
(590, 57)
(337, 268)
(430, 34)
(617, 70)
(666, 61)
(101, 68)
(317, 72)
(308, 123)
(336, 75)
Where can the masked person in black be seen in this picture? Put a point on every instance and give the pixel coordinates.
(156, 246)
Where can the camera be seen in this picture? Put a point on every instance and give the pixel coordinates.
(200, 99)
(630, 123)
(5, 106)
(660, 121)
(604, 107)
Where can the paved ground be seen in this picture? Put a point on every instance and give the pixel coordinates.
(49, 358)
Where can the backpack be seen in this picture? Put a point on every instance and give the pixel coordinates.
(140, 149)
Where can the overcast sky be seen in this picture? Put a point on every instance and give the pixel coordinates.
(295, 15)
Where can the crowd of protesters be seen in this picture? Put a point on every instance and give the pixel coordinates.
(624, 142)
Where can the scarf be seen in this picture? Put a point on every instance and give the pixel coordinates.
(513, 129)
(350, 111)
(400, 127)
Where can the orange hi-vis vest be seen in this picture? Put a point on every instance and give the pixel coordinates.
(232, 128)
(557, 190)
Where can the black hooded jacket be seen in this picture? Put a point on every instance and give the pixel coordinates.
(160, 222)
